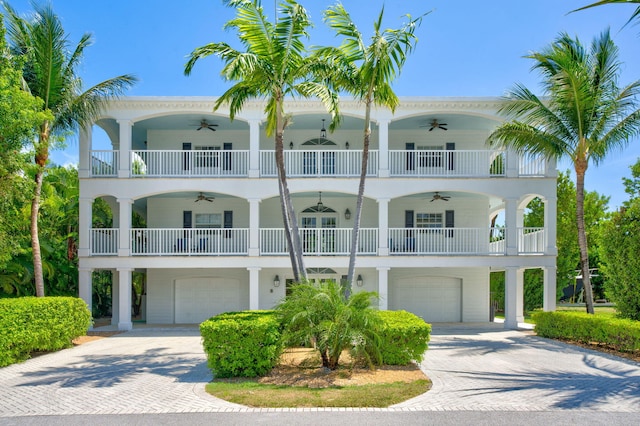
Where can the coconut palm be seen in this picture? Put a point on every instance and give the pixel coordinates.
(583, 116)
(366, 72)
(273, 66)
(635, 16)
(50, 72)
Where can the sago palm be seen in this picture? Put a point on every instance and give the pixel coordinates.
(51, 73)
(366, 71)
(583, 116)
(274, 65)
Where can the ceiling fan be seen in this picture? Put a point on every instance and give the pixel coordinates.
(202, 197)
(205, 125)
(435, 124)
(437, 196)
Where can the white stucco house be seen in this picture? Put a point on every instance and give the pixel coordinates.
(214, 240)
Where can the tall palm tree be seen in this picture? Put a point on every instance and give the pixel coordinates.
(51, 74)
(634, 17)
(273, 66)
(584, 116)
(366, 72)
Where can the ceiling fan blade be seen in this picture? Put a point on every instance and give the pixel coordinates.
(210, 200)
(199, 128)
(213, 130)
(431, 129)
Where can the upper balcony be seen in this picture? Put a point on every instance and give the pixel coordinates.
(317, 163)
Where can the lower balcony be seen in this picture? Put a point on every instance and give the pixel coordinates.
(316, 242)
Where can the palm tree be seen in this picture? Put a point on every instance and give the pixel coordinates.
(584, 116)
(634, 16)
(50, 73)
(274, 66)
(366, 71)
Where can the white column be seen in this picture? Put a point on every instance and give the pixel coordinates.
(124, 299)
(549, 297)
(84, 160)
(510, 297)
(254, 148)
(84, 226)
(511, 224)
(383, 152)
(520, 296)
(124, 243)
(552, 167)
(551, 224)
(115, 297)
(254, 288)
(513, 164)
(383, 287)
(124, 165)
(254, 227)
(85, 286)
(383, 226)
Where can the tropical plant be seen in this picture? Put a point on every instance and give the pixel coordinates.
(635, 16)
(274, 65)
(50, 72)
(321, 315)
(583, 116)
(366, 72)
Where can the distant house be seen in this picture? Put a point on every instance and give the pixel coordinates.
(214, 240)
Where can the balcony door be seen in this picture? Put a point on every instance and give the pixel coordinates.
(318, 233)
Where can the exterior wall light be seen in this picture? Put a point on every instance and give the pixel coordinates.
(291, 145)
(346, 145)
(359, 281)
(347, 214)
(276, 281)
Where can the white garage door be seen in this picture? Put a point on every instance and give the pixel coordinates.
(198, 299)
(435, 299)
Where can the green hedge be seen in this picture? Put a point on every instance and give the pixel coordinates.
(29, 324)
(404, 337)
(617, 333)
(242, 344)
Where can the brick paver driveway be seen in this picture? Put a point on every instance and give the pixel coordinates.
(472, 368)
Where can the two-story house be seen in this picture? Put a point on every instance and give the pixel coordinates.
(214, 242)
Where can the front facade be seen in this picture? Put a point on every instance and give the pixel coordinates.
(213, 241)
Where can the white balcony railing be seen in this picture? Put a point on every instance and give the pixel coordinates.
(189, 242)
(478, 163)
(167, 163)
(104, 163)
(532, 240)
(532, 165)
(320, 241)
(104, 241)
(427, 241)
(313, 163)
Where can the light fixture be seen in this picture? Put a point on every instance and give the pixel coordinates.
(347, 214)
(291, 145)
(276, 281)
(359, 281)
(346, 145)
(323, 131)
(320, 206)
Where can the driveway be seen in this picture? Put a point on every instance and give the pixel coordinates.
(473, 368)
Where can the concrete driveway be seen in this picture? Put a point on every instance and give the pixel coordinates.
(473, 368)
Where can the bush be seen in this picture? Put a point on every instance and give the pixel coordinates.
(620, 334)
(242, 344)
(31, 324)
(404, 337)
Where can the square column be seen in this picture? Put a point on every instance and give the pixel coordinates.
(124, 299)
(254, 288)
(551, 224)
(124, 166)
(550, 283)
(383, 151)
(511, 225)
(85, 287)
(520, 296)
(383, 287)
(85, 220)
(254, 227)
(383, 226)
(115, 297)
(124, 228)
(84, 160)
(254, 148)
(511, 297)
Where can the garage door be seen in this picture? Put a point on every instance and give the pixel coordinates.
(435, 299)
(198, 299)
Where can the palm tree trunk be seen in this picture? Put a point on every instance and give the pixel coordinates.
(35, 239)
(582, 236)
(287, 232)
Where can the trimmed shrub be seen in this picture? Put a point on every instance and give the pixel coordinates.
(242, 344)
(29, 324)
(404, 337)
(620, 334)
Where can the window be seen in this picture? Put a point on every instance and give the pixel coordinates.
(430, 158)
(429, 220)
(208, 220)
(206, 159)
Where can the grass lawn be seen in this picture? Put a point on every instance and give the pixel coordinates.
(253, 394)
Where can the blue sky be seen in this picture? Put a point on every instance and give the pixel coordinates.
(465, 48)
